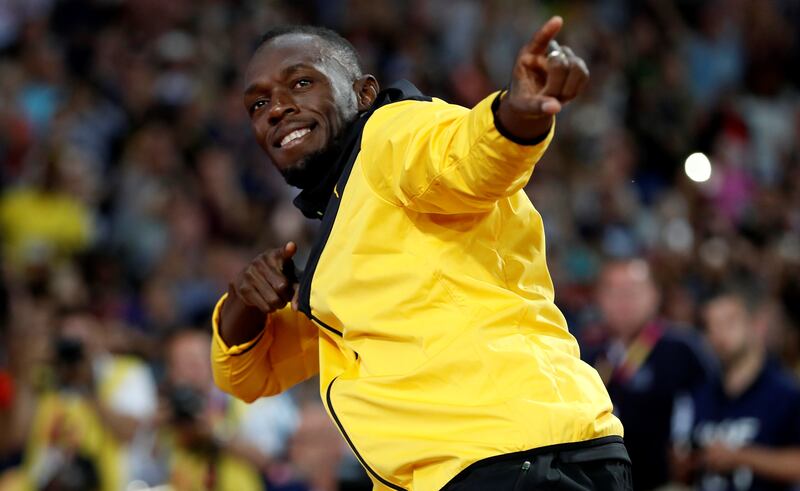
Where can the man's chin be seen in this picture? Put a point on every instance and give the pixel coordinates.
(298, 175)
(313, 168)
(307, 172)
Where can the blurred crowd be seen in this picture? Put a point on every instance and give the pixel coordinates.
(132, 191)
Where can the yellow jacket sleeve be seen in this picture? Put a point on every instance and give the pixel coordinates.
(284, 354)
(435, 157)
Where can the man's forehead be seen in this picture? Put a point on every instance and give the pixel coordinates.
(290, 51)
(296, 40)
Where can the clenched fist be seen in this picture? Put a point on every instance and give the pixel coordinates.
(267, 284)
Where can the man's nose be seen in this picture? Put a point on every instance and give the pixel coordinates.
(282, 105)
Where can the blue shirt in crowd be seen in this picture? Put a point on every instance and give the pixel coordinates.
(766, 414)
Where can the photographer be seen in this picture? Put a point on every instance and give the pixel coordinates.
(85, 423)
(212, 440)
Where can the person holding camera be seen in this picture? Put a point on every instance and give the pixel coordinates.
(85, 423)
(212, 440)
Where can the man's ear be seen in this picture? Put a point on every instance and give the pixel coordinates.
(366, 88)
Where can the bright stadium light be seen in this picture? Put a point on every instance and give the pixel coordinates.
(697, 167)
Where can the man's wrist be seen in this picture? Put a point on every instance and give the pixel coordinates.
(520, 127)
(239, 323)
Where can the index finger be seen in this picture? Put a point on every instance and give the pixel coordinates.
(539, 42)
(289, 250)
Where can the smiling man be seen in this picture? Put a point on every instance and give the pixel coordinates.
(426, 306)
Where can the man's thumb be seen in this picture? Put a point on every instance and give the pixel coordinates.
(550, 105)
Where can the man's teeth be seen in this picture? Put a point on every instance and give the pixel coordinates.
(294, 135)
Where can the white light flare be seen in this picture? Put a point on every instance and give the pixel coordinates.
(697, 167)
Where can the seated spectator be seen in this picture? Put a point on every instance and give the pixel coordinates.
(212, 440)
(85, 423)
(43, 224)
(317, 449)
(746, 425)
(646, 364)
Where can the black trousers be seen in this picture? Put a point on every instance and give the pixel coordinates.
(602, 465)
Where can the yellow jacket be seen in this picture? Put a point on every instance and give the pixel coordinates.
(434, 328)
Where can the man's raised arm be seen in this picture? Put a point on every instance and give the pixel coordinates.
(441, 158)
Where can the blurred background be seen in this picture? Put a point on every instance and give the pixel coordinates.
(132, 191)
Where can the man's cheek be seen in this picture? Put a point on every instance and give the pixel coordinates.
(260, 132)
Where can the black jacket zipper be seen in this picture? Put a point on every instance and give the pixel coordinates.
(353, 447)
(304, 294)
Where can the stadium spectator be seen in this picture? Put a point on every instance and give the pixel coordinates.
(44, 223)
(86, 423)
(646, 364)
(211, 440)
(746, 426)
(316, 449)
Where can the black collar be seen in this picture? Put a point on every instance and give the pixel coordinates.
(313, 201)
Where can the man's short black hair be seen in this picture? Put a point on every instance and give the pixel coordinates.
(747, 290)
(340, 47)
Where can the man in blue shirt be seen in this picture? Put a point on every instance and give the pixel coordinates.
(747, 424)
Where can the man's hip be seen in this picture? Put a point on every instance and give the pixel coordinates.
(601, 464)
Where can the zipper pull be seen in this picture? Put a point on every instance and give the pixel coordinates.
(522, 475)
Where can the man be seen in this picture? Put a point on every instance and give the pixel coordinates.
(442, 357)
(746, 426)
(210, 436)
(88, 423)
(648, 367)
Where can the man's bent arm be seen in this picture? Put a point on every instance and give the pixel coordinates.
(283, 353)
(772, 463)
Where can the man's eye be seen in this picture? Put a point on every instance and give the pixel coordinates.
(258, 105)
(303, 82)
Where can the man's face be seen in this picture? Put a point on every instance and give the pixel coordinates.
(729, 328)
(299, 98)
(188, 360)
(627, 297)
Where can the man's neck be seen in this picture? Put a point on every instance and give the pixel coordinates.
(635, 334)
(741, 374)
(321, 172)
